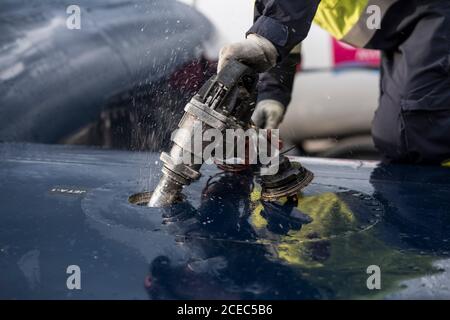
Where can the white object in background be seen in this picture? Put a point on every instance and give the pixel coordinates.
(329, 104)
(232, 18)
(317, 49)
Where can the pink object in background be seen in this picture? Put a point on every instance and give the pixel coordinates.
(344, 54)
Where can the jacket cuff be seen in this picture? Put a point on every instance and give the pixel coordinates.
(276, 95)
(274, 31)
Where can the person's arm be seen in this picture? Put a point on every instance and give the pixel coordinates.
(277, 82)
(279, 26)
(275, 91)
(285, 23)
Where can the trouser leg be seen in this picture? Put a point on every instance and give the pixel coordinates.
(412, 123)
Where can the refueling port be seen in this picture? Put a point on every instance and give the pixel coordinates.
(141, 198)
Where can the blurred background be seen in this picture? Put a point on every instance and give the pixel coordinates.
(121, 81)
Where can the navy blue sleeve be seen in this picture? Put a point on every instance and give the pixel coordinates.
(285, 23)
(276, 84)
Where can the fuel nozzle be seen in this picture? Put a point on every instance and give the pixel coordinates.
(226, 101)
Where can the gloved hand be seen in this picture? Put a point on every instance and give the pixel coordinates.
(255, 51)
(268, 114)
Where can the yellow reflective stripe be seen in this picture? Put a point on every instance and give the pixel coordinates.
(446, 163)
(339, 16)
(256, 219)
(347, 20)
(327, 211)
(360, 34)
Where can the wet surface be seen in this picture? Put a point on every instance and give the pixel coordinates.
(64, 206)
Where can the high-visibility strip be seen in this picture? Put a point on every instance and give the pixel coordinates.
(361, 33)
(446, 163)
(337, 17)
(347, 20)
